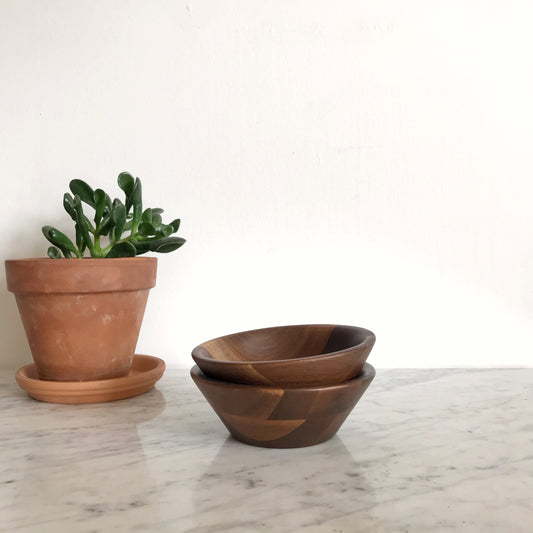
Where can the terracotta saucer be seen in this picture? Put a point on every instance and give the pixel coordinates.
(144, 373)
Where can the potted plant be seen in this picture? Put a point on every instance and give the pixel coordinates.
(82, 315)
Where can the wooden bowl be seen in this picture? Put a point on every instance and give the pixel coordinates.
(275, 417)
(292, 356)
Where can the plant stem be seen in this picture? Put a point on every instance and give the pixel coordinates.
(105, 250)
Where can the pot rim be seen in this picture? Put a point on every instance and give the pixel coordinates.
(75, 276)
(74, 260)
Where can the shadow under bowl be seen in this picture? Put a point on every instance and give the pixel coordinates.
(302, 355)
(275, 417)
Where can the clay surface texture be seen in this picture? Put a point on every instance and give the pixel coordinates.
(82, 317)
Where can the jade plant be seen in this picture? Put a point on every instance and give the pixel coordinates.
(118, 229)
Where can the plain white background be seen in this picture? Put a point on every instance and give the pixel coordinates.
(365, 163)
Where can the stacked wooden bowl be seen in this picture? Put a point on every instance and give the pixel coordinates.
(288, 386)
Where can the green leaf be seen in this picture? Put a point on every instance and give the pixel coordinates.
(147, 215)
(163, 244)
(108, 204)
(146, 229)
(119, 220)
(136, 195)
(157, 211)
(83, 224)
(83, 190)
(157, 221)
(80, 243)
(119, 213)
(100, 202)
(59, 239)
(122, 249)
(126, 182)
(75, 215)
(175, 225)
(170, 244)
(137, 202)
(54, 253)
(166, 230)
(106, 224)
(68, 204)
(141, 247)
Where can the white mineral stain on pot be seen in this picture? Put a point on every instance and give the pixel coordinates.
(106, 319)
(62, 345)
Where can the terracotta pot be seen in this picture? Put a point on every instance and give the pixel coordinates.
(82, 317)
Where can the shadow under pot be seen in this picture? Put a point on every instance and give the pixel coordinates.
(82, 317)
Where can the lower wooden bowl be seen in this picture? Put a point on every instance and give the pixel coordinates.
(276, 417)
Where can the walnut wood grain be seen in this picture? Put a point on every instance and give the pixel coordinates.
(276, 417)
(316, 354)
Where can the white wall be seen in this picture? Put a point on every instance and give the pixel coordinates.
(367, 163)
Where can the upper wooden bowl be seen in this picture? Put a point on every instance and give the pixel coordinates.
(294, 356)
(283, 417)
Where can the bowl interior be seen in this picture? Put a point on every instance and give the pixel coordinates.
(283, 343)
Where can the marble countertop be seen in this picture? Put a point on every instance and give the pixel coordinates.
(423, 451)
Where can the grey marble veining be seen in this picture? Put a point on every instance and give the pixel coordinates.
(423, 451)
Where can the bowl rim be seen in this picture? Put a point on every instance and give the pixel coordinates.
(368, 373)
(370, 338)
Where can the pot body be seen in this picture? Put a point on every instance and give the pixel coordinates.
(82, 317)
